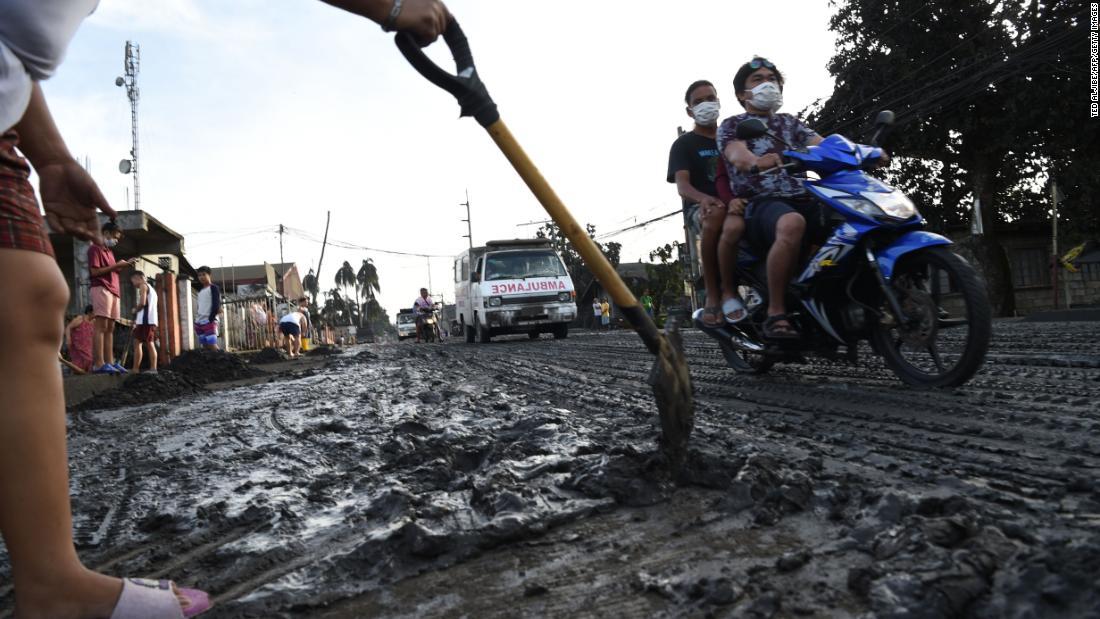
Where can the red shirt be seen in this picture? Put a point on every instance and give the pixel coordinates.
(99, 257)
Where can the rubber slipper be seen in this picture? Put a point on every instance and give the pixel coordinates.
(715, 312)
(154, 599)
(734, 310)
(773, 331)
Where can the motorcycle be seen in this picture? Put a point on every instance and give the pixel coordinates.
(879, 278)
(429, 324)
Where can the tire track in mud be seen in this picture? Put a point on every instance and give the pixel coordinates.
(387, 474)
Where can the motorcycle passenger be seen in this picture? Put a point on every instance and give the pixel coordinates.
(422, 308)
(692, 164)
(779, 208)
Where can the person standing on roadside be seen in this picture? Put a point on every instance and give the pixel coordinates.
(103, 269)
(209, 306)
(145, 322)
(605, 314)
(597, 313)
(36, 521)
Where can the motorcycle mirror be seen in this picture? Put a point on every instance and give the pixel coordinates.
(751, 129)
(885, 118)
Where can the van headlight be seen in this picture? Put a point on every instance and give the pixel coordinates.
(565, 297)
(895, 204)
(493, 302)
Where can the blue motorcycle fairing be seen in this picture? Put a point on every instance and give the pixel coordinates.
(834, 154)
(904, 244)
(834, 250)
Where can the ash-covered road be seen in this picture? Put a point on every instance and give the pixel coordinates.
(521, 479)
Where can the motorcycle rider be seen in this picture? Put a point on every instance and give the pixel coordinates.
(423, 307)
(779, 207)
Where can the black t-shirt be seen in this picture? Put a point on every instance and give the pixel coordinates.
(699, 156)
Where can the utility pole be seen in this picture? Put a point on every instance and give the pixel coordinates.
(469, 228)
(1054, 240)
(328, 218)
(279, 271)
(131, 66)
(429, 259)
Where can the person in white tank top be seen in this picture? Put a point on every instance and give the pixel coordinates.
(145, 322)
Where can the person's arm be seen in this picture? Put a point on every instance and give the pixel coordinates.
(215, 302)
(69, 195)
(690, 193)
(425, 19)
(105, 270)
(743, 160)
(142, 300)
(69, 332)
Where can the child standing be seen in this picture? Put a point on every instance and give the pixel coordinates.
(145, 322)
(210, 305)
(103, 271)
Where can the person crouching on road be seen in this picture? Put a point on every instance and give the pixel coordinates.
(291, 326)
(145, 322)
(78, 339)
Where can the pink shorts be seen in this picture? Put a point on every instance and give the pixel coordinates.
(104, 303)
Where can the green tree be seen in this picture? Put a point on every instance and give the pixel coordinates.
(580, 274)
(985, 93)
(367, 280)
(666, 277)
(309, 282)
(345, 277)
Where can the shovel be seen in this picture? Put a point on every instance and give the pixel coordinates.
(669, 376)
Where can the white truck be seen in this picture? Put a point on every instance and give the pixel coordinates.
(515, 286)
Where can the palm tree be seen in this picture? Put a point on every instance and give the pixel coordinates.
(367, 278)
(309, 282)
(346, 277)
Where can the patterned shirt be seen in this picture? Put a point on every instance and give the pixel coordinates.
(780, 183)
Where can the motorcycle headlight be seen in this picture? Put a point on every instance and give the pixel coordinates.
(895, 204)
(564, 297)
(494, 301)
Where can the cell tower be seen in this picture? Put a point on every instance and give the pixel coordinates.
(131, 65)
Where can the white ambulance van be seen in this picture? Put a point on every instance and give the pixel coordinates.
(516, 286)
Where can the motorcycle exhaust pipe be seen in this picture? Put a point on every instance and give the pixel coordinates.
(728, 335)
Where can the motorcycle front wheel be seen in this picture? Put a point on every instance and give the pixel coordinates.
(944, 338)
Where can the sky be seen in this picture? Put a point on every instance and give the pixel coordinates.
(256, 113)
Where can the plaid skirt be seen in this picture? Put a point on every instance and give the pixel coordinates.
(21, 223)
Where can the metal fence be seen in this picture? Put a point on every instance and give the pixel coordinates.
(251, 323)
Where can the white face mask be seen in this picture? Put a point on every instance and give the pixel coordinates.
(706, 113)
(767, 97)
(110, 242)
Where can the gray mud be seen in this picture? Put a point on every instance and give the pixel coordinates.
(513, 479)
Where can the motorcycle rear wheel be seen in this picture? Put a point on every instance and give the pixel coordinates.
(912, 351)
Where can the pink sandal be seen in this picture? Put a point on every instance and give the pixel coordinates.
(154, 599)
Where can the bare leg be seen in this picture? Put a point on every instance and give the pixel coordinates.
(137, 357)
(297, 345)
(152, 355)
(108, 341)
(781, 260)
(99, 327)
(289, 345)
(712, 232)
(35, 517)
(732, 230)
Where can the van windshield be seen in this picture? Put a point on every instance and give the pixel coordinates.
(522, 265)
(404, 319)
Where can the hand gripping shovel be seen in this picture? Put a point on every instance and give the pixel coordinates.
(669, 376)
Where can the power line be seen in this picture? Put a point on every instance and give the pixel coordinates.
(638, 225)
(302, 234)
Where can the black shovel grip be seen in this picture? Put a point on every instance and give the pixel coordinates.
(465, 85)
